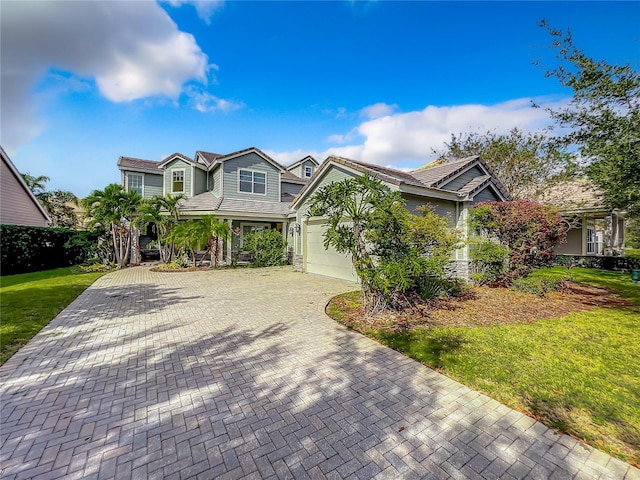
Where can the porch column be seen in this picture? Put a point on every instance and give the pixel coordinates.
(608, 234)
(229, 240)
(584, 235)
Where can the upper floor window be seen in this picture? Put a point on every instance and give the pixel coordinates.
(308, 171)
(134, 183)
(252, 182)
(177, 181)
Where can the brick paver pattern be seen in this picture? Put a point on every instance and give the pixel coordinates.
(240, 374)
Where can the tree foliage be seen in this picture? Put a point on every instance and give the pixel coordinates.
(529, 230)
(58, 203)
(602, 119)
(525, 163)
(391, 249)
(110, 211)
(202, 234)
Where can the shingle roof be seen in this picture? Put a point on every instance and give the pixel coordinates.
(208, 202)
(389, 175)
(433, 176)
(287, 176)
(208, 156)
(308, 157)
(574, 196)
(139, 164)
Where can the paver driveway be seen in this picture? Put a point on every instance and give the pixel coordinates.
(239, 374)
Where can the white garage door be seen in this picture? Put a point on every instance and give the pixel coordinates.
(325, 262)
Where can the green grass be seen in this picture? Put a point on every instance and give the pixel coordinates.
(580, 373)
(29, 301)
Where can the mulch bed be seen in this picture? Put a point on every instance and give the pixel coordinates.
(484, 307)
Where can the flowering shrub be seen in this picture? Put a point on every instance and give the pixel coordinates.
(528, 229)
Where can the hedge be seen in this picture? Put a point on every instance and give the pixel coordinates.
(32, 249)
(598, 261)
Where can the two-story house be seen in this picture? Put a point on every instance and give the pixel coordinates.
(247, 189)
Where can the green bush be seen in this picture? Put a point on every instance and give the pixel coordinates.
(536, 286)
(267, 248)
(33, 249)
(432, 287)
(489, 261)
(98, 267)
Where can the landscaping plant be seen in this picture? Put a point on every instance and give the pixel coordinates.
(267, 248)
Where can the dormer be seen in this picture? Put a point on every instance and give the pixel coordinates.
(304, 168)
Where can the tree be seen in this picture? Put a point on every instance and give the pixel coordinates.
(529, 230)
(57, 203)
(602, 120)
(190, 236)
(526, 163)
(111, 211)
(370, 222)
(164, 214)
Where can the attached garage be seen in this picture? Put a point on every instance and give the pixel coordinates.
(324, 262)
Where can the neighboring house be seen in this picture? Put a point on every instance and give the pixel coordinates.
(18, 204)
(451, 188)
(594, 228)
(247, 189)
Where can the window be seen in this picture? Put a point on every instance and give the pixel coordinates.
(252, 182)
(308, 171)
(134, 183)
(177, 181)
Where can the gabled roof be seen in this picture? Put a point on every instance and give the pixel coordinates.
(20, 181)
(139, 165)
(173, 156)
(302, 160)
(208, 157)
(239, 153)
(427, 181)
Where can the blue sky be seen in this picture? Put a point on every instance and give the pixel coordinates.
(84, 82)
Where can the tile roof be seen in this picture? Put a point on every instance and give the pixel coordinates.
(206, 201)
(139, 164)
(308, 157)
(389, 175)
(287, 176)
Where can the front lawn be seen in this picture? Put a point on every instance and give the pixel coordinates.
(579, 372)
(31, 300)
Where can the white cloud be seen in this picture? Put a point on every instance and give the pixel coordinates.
(206, 102)
(378, 110)
(205, 8)
(407, 140)
(133, 50)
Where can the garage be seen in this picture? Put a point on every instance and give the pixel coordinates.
(324, 262)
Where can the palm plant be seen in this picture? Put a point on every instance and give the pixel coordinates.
(190, 236)
(164, 213)
(111, 209)
(217, 232)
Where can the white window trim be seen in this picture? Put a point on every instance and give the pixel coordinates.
(305, 171)
(126, 177)
(266, 181)
(184, 179)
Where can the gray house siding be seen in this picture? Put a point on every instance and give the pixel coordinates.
(251, 161)
(443, 208)
(484, 196)
(299, 170)
(200, 180)
(177, 164)
(16, 205)
(216, 181)
(291, 188)
(152, 185)
(459, 182)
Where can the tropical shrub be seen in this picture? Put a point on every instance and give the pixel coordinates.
(489, 261)
(391, 249)
(32, 249)
(267, 248)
